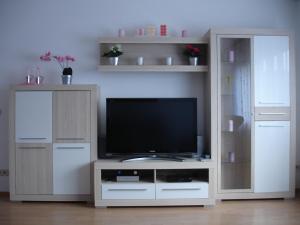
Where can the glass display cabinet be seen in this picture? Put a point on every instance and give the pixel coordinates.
(234, 78)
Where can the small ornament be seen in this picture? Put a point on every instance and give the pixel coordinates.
(184, 33)
(163, 30)
(121, 33)
(140, 32)
(151, 30)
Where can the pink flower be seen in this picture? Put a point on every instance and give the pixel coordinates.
(189, 47)
(46, 56)
(196, 50)
(63, 61)
(69, 58)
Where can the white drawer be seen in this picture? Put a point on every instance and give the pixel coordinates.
(181, 190)
(128, 191)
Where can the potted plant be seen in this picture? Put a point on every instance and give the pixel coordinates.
(113, 54)
(193, 53)
(63, 62)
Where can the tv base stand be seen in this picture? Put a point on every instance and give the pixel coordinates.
(152, 157)
(154, 186)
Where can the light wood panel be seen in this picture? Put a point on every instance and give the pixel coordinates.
(153, 40)
(272, 113)
(71, 112)
(153, 68)
(34, 169)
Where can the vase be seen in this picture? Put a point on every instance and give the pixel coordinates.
(169, 61)
(67, 76)
(193, 61)
(114, 61)
(66, 79)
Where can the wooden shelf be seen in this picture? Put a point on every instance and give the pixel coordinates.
(152, 40)
(152, 68)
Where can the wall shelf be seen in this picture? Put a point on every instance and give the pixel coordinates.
(154, 50)
(152, 68)
(152, 40)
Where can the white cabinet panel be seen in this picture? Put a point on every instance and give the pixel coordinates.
(71, 168)
(272, 158)
(33, 116)
(182, 190)
(128, 191)
(271, 71)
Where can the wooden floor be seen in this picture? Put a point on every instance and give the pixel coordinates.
(269, 212)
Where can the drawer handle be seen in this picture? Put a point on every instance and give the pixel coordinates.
(270, 126)
(127, 189)
(27, 138)
(181, 189)
(262, 113)
(67, 139)
(32, 147)
(70, 148)
(270, 103)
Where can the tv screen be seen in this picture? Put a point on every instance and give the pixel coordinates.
(141, 126)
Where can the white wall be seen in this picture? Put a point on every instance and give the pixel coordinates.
(29, 28)
(298, 90)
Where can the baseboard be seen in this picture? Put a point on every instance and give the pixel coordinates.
(4, 194)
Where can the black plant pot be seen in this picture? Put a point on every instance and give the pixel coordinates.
(68, 71)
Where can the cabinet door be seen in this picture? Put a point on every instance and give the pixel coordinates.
(271, 71)
(33, 117)
(33, 169)
(272, 156)
(234, 104)
(72, 113)
(71, 168)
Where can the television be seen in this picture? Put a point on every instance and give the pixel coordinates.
(151, 126)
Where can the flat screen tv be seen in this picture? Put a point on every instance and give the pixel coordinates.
(151, 126)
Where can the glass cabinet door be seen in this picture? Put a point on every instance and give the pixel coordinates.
(234, 76)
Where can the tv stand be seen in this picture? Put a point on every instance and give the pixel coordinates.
(160, 183)
(152, 157)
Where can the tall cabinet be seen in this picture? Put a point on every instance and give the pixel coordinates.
(255, 113)
(53, 133)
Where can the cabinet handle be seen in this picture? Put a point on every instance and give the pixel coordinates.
(70, 148)
(181, 189)
(68, 139)
(270, 126)
(270, 103)
(32, 147)
(279, 113)
(127, 189)
(27, 138)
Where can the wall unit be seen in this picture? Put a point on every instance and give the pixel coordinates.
(154, 50)
(255, 102)
(154, 188)
(53, 139)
